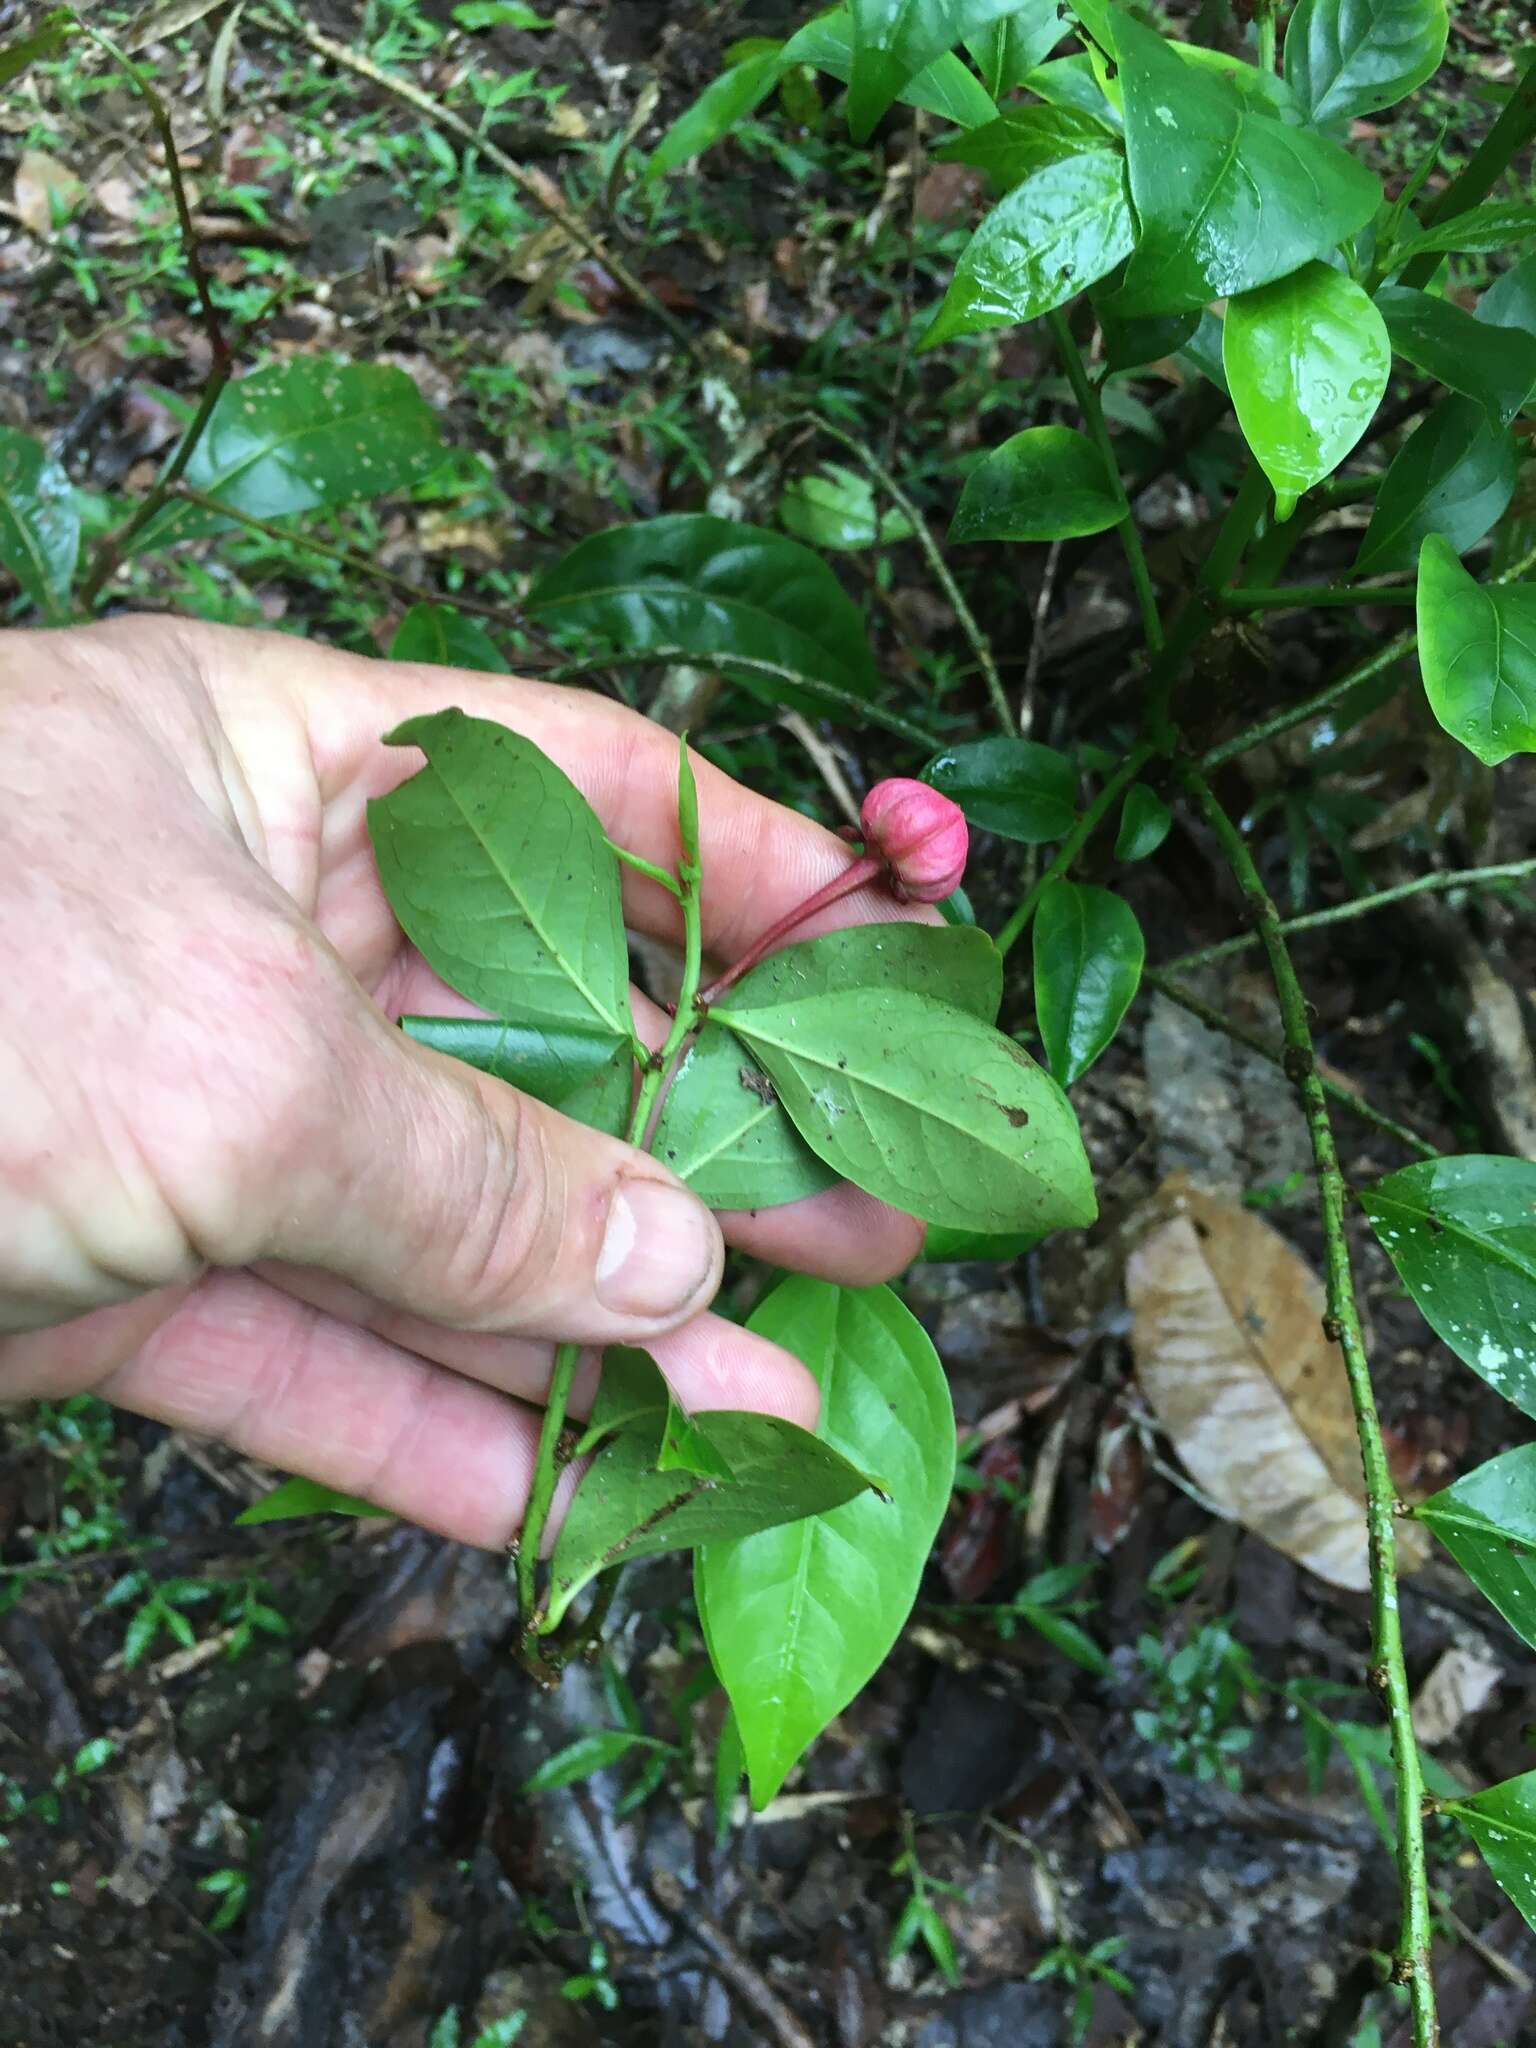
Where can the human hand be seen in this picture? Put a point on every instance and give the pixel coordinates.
(232, 1196)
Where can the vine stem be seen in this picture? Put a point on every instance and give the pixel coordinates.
(1091, 407)
(1362, 906)
(1201, 611)
(1076, 840)
(1388, 1672)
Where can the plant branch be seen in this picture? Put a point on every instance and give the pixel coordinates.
(1201, 612)
(1388, 1672)
(1336, 1091)
(1076, 840)
(1362, 906)
(1091, 406)
(1514, 128)
(981, 646)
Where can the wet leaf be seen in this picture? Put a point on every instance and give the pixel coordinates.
(1230, 1352)
(1487, 1521)
(1088, 955)
(1307, 360)
(1017, 788)
(39, 522)
(1477, 653)
(945, 87)
(1128, 343)
(585, 1074)
(1229, 198)
(1064, 227)
(1454, 476)
(1026, 139)
(893, 40)
(690, 586)
(1477, 232)
(798, 1619)
(1502, 1822)
(925, 1107)
(297, 1497)
(438, 633)
(1510, 301)
(724, 1131)
(499, 873)
(953, 963)
(1046, 483)
(1462, 1234)
(1145, 821)
(1495, 365)
(1006, 51)
(1350, 57)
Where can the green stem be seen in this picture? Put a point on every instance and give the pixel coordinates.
(1266, 27)
(1291, 597)
(649, 868)
(1362, 906)
(1346, 1098)
(1201, 610)
(546, 1475)
(1092, 408)
(1388, 1672)
(1515, 127)
(1076, 840)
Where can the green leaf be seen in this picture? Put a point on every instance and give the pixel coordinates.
(585, 1074)
(941, 1244)
(300, 435)
(724, 1131)
(1046, 483)
(450, 638)
(693, 587)
(1068, 1636)
(498, 14)
(1477, 232)
(1454, 476)
(625, 1508)
(894, 40)
(1066, 226)
(1145, 821)
(945, 87)
(1130, 343)
(798, 1619)
(1006, 51)
(953, 963)
(296, 1497)
(730, 1769)
(1347, 57)
(1307, 360)
(1026, 139)
(587, 1755)
(1462, 1234)
(631, 1390)
(45, 41)
(725, 101)
(1502, 1822)
(1088, 957)
(499, 873)
(925, 1107)
(1510, 301)
(1073, 82)
(1477, 654)
(39, 522)
(1229, 198)
(834, 507)
(1495, 365)
(1487, 1521)
(1019, 789)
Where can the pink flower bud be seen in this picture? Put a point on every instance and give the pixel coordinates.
(919, 834)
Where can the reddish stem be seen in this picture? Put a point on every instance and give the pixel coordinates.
(868, 868)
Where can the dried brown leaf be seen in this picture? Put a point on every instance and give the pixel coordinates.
(1231, 1354)
(163, 22)
(1459, 1686)
(45, 191)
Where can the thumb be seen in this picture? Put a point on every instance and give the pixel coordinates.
(443, 1191)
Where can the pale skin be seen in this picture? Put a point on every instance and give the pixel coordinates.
(232, 1195)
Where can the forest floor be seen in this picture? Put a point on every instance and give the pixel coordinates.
(299, 1818)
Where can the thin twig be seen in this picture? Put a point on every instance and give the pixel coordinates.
(1361, 906)
(743, 1977)
(1389, 1673)
(1036, 654)
(1076, 840)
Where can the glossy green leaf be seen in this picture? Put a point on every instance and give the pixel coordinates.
(304, 434)
(1064, 227)
(1072, 82)
(945, 87)
(693, 587)
(1307, 361)
(1462, 1234)
(894, 40)
(1202, 353)
(588, 1754)
(585, 1074)
(39, 522)
(926, 1107)
(725, 101)
(625, 1508)
(1024, 140)
(1130, 343)
(1487, 1521)
(941, 1244)
(1502, 1822)
(498, 870)
(1046, 483)
(298, 1497)
(835, 507)
(723, 1130)
(1477, 232)
(1477, 654)
(1229, 198)
(1088, 958)
(452, 639)
(952, 963)
(1145, 821)
(1267, 93)
(630, 1393)
(1348, 57)
(1019, 789)
(1006, 51)
(1510, 301)
(800, 1618)
(1495, 365)
(1453, 476)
